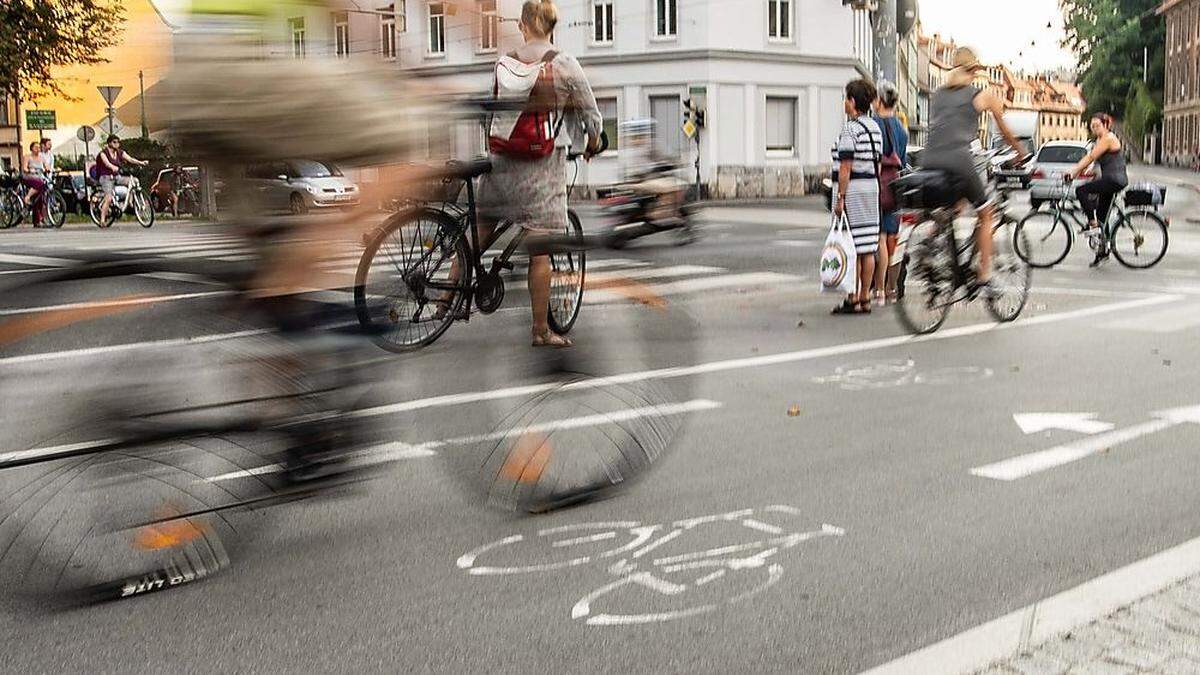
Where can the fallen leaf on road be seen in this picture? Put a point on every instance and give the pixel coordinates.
(799, 324)
(1014, 369)
(793, 411)
(1166, 362)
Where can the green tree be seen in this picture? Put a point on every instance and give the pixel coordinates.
(159, 155)
(38, 36)
(1109, 36)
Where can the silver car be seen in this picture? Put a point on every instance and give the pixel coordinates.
(1053, 160)
(300, 185)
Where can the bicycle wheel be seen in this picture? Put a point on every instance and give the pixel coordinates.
(1011, 275)
(94, 212)
(10, 207)
(405, 293)
(928, 288)
(1042, 239)
(141, 207)
(1140, 240)
(56, 209)
(566, 282)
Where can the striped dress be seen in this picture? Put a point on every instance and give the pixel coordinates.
(861, 140)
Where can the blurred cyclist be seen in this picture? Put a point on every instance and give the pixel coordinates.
(955, 110)
(647, 171)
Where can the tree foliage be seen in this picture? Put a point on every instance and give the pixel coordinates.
(38, 36)
(1109, 36)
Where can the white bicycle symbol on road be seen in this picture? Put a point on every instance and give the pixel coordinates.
(646, 588)
(898, 373)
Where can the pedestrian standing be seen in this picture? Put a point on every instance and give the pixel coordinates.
(857, 156)
(47, 156)
(895, 140)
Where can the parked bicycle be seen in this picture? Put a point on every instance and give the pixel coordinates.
(404, 289)
(1134, 231)
(14, 210)
(128, 194)
(938, 270)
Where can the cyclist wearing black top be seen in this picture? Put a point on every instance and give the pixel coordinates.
(1096, 197)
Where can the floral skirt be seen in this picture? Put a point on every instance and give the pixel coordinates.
(531, 193)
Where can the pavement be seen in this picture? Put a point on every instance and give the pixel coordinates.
(954, 503)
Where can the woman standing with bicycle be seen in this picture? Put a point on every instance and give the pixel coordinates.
(33, 175)
(1096, 196)
(533, 192)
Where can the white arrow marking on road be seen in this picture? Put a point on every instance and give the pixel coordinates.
(1084, 423)
(1035, 462)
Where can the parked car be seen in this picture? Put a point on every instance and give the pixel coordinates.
(74, 190)
(1053, 160)
(164, 183)
(300, 185)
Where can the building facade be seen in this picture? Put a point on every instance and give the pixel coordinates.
(10, 132)
(769, 73)
(1181, 104)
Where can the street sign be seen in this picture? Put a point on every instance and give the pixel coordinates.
(41, 120)
(86, 134)
(689, 128)
(110, 94)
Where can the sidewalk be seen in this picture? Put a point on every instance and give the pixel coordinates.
(1158, 634)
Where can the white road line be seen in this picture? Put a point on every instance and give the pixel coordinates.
(764, 360)
(114, 303)
(1017, 632)
(1035, 462)
(795, 243)
(29, 270)
(35, 260)
(1167, 321)
(400, 450)
(89, 352)
(699, 284)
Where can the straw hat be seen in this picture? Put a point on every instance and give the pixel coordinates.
(966, 59)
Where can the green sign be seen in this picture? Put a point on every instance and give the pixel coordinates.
(41, 120)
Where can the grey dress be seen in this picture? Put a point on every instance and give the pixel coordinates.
(534, 192)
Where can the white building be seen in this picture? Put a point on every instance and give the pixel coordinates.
(770, 73)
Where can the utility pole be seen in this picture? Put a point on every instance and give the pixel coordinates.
(142, 96)
(885, 40)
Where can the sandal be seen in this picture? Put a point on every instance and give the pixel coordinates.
(864, 307)
(551, 339)
(846, 307)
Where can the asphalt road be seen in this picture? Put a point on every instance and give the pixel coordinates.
(879, 538)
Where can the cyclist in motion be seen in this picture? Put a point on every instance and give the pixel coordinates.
(1097, 196)
(954, 125)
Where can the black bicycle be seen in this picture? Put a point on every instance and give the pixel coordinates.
(1134, 232)
(14, 210)
(938, 270)
(423, 268)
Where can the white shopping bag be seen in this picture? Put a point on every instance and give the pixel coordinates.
(839, 271)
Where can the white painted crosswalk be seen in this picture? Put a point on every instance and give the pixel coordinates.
(700, 281)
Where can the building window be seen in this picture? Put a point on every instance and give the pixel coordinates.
(668, 121)
(666, 23)
(401, 16)
(4, 116)
(489, 25)
(779, 20)
(387, 34)
(341, 34)
(437, 29)
(299, 48)
(781, 125)
(602, 22)
(608, 112)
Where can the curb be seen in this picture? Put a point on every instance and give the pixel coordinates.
(1017, 632)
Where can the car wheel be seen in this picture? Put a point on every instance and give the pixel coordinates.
(299, 206)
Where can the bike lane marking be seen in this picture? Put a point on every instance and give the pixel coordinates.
(151, 300)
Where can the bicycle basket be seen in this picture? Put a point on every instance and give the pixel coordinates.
(1145, 194)
(925, 189)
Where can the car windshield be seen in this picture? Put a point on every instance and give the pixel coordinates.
(77, 181)
(307, 168)
(1061, 154)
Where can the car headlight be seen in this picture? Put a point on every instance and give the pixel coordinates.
(311, 190)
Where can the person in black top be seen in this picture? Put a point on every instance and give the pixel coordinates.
(1096, 197)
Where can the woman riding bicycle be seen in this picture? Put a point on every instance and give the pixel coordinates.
(33, 175)
(954, 125)
(533, 192)
(108, 171)
(1096, 196)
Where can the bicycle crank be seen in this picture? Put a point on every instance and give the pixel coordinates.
(489, 292)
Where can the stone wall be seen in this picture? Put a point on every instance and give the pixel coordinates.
(756, 182)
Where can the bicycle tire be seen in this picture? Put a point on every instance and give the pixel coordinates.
(927, 283)
(1030, 234)
(570, 266)
(56, 209)
(1008, 265)
(141, 208)
(94, 212)
(1140, 226)
(10, 207)
(440, 227)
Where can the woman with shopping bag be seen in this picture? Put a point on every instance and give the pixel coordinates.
(856, 200)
